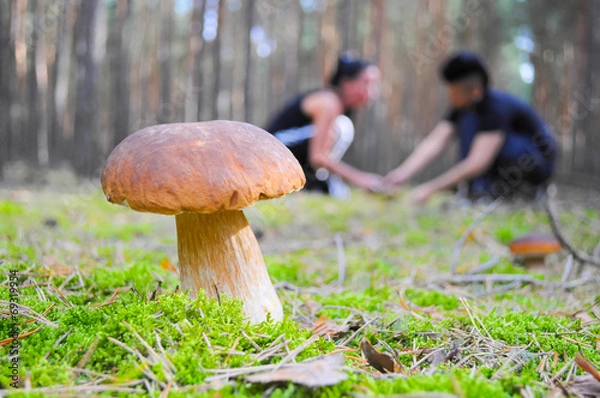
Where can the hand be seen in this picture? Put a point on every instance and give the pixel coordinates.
(394, 178)
(422, 193)
(369, 182)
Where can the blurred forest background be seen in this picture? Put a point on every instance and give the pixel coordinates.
(77, 76)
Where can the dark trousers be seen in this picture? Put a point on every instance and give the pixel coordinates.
(524, 164)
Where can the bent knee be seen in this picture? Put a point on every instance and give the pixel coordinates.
(344, 128)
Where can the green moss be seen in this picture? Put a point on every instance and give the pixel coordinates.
(121, 232)
(416, 238)
(8, 208)
(427, 298)
(385, 242)
(180, 323)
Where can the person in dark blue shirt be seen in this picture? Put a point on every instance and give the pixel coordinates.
(316, 127)
(505, 148)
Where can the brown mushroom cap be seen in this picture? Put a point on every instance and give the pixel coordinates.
(199, 167)
(535, 245)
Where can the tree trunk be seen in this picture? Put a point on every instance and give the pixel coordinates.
(85, 160)
(590, 89)
(6, 66)
(291, 53)
(197, 45)
(345, 23)
(29, 143)
(216, 62)
(302, 18)
(250, 5)
(118, 53)
(54, 136)
(165, 109)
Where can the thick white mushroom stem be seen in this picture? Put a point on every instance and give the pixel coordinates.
(219, 253)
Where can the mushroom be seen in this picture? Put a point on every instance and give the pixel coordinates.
(533, 248)
(204, 173)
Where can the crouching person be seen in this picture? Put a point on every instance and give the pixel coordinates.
(505, 148)
(317, 128)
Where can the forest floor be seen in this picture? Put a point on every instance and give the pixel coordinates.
(93, 317)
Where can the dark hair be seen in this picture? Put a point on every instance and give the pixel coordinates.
(348, 68)
(464, 65)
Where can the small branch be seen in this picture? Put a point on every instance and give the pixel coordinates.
(567, 271)
(46, 311)
(483, 267)
(353, 335)
(576, 282)
(88, 354)
(294, 353)
(252, 342)
(80, 390)
(457, 279)
(19, 337)
(501, 289)
(461, 241)
(60, 340)
(554, 223)
(28, 312)
(92, 373)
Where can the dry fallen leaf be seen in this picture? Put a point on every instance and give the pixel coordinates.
(586, 386)
(585, 318)
(381, 361)
(325, 327)
(443, 355)
(587, 366)
(326, 371)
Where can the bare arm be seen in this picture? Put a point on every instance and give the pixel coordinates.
(483, 151)
(424, 153)
(325, 107)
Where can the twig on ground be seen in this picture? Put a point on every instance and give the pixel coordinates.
(271, 350)
(154, 357)
(28, 312)
(461, 241)
(146, 369)
(92, 373)
(294, 353)
(576, 282)
(474, 318)
(556, 229)
(88, 354)
(457, 279)
(252, 342)
(360, 329)
(46, 311)
(19, 337)
(165, 392)
(500, 289)
(66, 281)
(568, 267)
(110, 300)
(561, 371)
(81, 390)
(229, 373)
(483, 267)
(60, 340)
